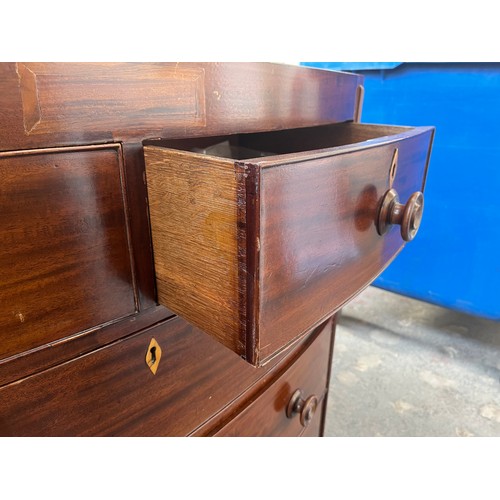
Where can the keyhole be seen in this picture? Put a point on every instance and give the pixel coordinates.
(394, 167)
(393, 171)
(153, 355)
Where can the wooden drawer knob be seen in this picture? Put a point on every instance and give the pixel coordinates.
(303, 407)
(407, 216)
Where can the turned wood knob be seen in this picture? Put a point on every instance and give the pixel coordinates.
(303, 407)
(407, 216)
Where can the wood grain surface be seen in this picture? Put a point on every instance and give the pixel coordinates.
(76, 262)
(59, 351)
(112, 391)
(288, 238)
(319, 246)
(104, 96)
(140, 230)
(266, 415)
(194, 228)
(55, 104)
(65, 261)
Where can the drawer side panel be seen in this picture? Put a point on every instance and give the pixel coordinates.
(193, 211)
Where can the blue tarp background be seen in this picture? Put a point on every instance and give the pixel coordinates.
(455, 259)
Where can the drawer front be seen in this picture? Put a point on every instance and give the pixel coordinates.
(269, 247)
(318, 241)
(113, 391)
(66, 103)
(284, 411)
(65, 260)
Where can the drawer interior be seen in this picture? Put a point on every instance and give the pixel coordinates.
(291, 141)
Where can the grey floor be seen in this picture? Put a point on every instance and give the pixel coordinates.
(402, 367)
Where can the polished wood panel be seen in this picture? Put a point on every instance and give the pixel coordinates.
(112, 391)
(273, 370)
(54, 104)
(110, 92)
(65, 261)
(319, 245)
(266, 415)
(59, 351)
(299, 223)
(73, 136)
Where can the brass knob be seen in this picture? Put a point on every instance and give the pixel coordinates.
(407, 216)
(305, 407)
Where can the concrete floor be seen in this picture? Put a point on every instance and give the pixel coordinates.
(402, 367)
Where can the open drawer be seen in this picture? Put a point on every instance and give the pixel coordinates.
(260, 237)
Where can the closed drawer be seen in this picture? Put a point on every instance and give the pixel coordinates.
(293, 405)
(259, 237)
(65, 258)
(113, 391)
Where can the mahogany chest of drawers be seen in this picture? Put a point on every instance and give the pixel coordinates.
(177, 239)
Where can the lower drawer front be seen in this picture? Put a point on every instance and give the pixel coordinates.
(293, 405)
(113, 391)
